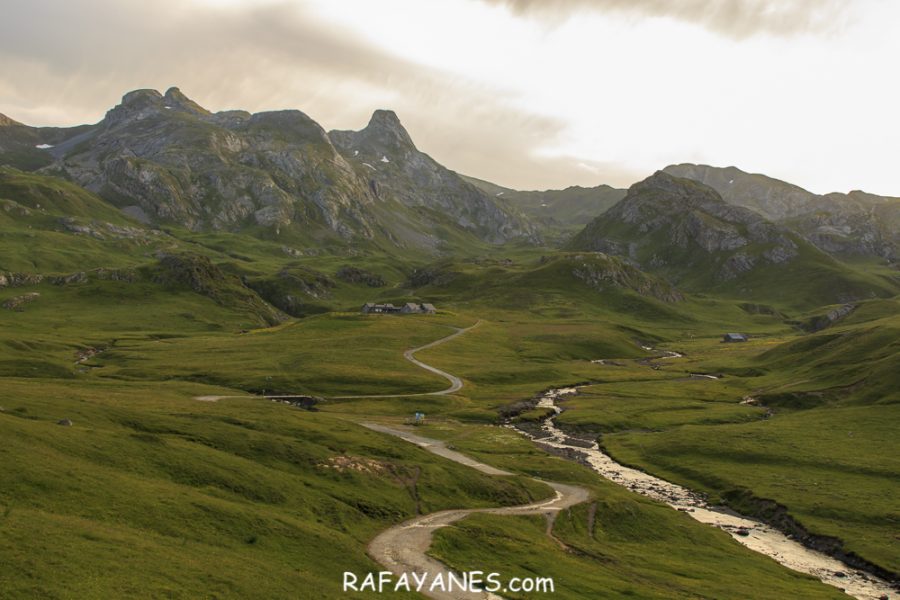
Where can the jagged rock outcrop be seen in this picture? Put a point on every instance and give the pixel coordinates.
(102, 230)
(825, 320)
(294, 290)
(30, 279)
(198, 274)
(16, 302)
(20, 279)
(601, 271)
(361, 276)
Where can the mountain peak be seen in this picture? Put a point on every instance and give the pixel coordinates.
(141, 97)
(174, 98)
(145, 102)
(676, 188)
(385, 117)
(386, 127)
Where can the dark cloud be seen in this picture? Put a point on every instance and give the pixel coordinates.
(734, 18)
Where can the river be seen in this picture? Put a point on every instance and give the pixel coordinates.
(751, 533)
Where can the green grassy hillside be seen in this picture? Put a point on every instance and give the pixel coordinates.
(154, 493)
(151, 493)
(609, 550)
(806, 421)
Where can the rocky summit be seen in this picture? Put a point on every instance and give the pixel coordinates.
(384, 154)
(853, 224)
(664, 213)
(686, 231)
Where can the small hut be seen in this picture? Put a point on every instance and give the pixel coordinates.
(734, 337)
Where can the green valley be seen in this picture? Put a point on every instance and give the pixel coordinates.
(185, 371)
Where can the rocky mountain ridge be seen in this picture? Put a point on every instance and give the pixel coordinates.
(384, 153)
(560, 212)
(164, 159)
(690, 216)
(685, 231)
(853, 224)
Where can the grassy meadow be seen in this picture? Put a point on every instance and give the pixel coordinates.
(153, 493)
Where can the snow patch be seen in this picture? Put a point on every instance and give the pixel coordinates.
(499, 194)
(370, 166)
(43, 146)
(356, 153)
(385, 159)
(167, 107)
(731, 181)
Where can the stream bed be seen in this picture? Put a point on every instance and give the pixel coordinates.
(751, 533)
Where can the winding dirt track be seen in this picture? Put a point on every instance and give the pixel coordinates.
(455, 382)
(402, 548)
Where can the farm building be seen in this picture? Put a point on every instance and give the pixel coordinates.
(410, 308)
(372, 308)
(734, 337)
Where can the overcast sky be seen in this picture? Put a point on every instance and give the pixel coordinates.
(525, 93)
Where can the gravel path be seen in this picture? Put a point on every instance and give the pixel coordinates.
(455, 382)
(403, 548)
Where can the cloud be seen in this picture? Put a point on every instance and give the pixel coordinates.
(589, 100)
(262, 57)
(733, 18)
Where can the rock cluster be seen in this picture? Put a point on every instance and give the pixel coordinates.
(16, 302)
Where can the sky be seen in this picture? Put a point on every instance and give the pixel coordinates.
(530, 94)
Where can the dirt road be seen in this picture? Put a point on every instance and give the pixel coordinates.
(455, 382)
(402, 548)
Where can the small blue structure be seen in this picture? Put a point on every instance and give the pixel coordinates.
(420, 418)
(734, 337)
